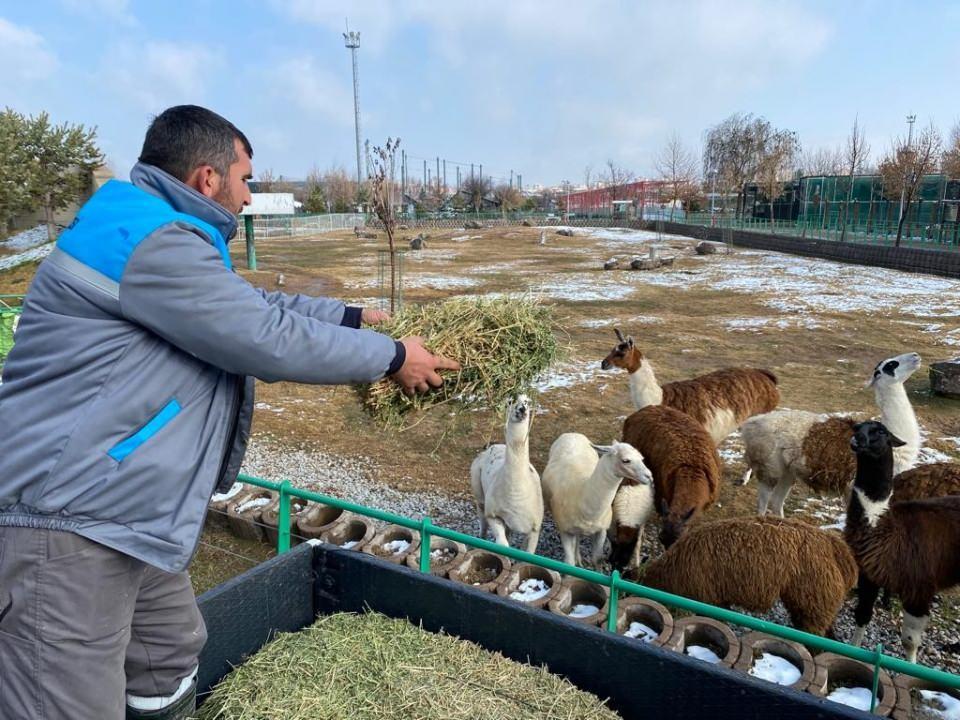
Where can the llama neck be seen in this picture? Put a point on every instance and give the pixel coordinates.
(516, 462)
(898, 416)
(644, 388)
(872, 488)
(596, 495)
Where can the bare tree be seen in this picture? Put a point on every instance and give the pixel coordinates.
(475, 189)
(677, 167)
(951, 157)
(508, 197)
(266, 181)
(903, 168)
(615, 180)
(382, 163)
(855, 155)
(777, 152)
(822, 161)
(587, 176)
(339, 189)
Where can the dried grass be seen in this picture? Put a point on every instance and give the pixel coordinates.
(370, 667)
(502, 345)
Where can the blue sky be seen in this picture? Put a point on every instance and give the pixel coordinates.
(543, 88)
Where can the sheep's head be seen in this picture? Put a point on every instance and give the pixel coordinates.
(624, 355)
(627, 463)
(895, 370)
(673, 522)
(872, 439)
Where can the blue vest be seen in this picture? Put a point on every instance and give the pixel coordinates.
(116, 219)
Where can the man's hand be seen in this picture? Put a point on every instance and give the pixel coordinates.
(370, 316)
(419, 370)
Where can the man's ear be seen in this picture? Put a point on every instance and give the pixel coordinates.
(205, 180)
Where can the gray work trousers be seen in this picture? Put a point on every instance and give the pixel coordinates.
(81, 625)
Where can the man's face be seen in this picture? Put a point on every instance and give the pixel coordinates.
(234, 194)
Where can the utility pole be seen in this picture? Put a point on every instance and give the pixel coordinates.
(403, 174)
(903, 189)
(511, 178)
(438, 175)
(352, 42)
(425, 185)
(444, 176)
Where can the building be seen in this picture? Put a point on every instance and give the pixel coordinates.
(631, 200)
(271, 204)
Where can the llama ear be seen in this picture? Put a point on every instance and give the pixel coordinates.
(602, 449)
(619, 335)
(630, 340)
(664, 508)
(895, 441)
(689, 514)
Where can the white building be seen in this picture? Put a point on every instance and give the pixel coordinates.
(271, 204)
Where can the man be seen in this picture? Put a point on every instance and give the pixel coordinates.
(125, 403)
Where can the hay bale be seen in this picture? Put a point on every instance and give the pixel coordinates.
(502, 345)
(370, 667)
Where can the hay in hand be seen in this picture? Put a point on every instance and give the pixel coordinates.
(370, 667)
(502, 345)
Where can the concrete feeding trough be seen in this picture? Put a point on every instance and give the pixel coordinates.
(245, 512)
(444, 556)
(532, 585)
(271, 520)
(481, 569)
(646, 620)
(849, 681)
(705, 639)
(776, 660)
(918, 698)
(583, 601)
(318, 519)
(350, 534)
(217, 509)
(393, 544)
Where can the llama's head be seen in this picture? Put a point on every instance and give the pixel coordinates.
(872, 439)
(624, 355)
(894, 371)
(627, 463)
(673, 522)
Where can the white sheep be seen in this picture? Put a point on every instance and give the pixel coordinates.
(633, 505)
(506, 486)
(787, 446)
(579, 484)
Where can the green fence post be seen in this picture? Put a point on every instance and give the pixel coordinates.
(425, 545)
(283, 518)
(876, 677)
(251, 250)
(612, 602)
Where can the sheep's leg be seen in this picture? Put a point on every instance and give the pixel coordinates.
(499, 531)
(571, 551)
(867, 592)
(598, 541)
(911, 632)
(780, 493)
(533, 539)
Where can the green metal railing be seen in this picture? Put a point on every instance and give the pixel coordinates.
(10, 307)
(614, 582)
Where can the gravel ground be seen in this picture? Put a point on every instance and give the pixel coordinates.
(355, 479)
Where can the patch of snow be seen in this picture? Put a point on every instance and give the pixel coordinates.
(255, 503)
(932, 455)
(440, 282)
(26, 239)
(775, 669)
(856, 697)
(644, 632)
(747, 323)
(581, 611)
(268, 407)
(702, 653)
(397, 547)
(530, 590)
(635, 320)
(36, 253)
(349, 544)
(568, 375)
(585, 287)
(936, 704)
(464, 238)
(234, 489)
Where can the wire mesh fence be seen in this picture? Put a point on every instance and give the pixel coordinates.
(266, 227)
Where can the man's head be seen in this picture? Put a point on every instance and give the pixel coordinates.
(202, 150)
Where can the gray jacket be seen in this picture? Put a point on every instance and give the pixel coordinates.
(127, 397)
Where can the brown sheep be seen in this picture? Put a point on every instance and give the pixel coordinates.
(753, 562)
(911, 548)
(683, 460)
(720, 401)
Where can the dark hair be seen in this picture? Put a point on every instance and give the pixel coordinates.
(184, 137)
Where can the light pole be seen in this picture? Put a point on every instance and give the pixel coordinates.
(352, 41)
(903, 188)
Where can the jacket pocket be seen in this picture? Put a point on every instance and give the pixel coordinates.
(125, 447)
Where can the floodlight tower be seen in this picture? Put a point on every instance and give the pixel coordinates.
(911, 119)
(352, 41)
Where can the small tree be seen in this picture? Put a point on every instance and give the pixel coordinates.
(14, 167)
(855, 156)
(615, 180)
(508, 197)
(381, 195)
(314, 199)
(266, 181)
(776, 159)
(677, 168)
(475, 189)
(61, 159)
(822, 161)
(951, 157)
(903, 168)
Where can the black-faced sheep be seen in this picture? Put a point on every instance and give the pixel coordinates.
(753, 562)
(720, 401)
(911, 548)
(684, 461)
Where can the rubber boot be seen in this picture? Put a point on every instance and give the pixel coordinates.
(182, 708)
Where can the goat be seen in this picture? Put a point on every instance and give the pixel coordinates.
(720, 401)
(683, 460)
(786, 446)
(752, 562)
(579, 485)
(505, 485)
(911, 548)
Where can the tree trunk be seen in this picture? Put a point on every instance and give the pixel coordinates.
(903, 217)
(48, 216)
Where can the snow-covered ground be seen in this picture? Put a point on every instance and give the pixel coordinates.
(26, 239)
(35, 253)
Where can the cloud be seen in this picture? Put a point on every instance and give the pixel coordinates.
(301, 83)
(116, 10)
(24, 55)
(158, 74)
